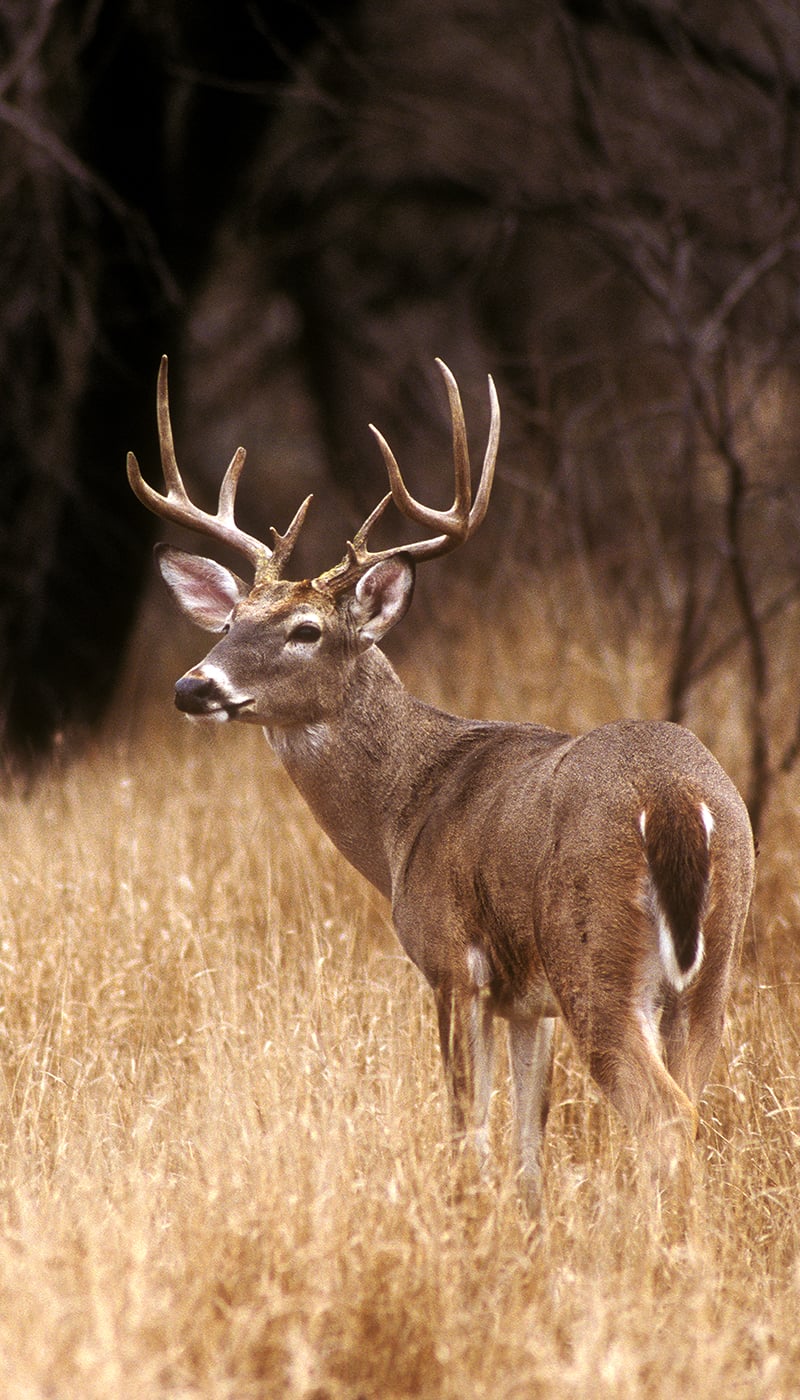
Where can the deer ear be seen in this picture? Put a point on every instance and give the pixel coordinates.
(382, 596)
(206, 592)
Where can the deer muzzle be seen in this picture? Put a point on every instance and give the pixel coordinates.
(207, 695)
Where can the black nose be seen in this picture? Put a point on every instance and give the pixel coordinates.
(197, 695)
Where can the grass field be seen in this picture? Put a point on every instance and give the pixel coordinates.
(223, 1160)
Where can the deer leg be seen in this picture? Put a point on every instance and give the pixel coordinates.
(692, 1022)
(626, 1061)
(691, 1030)
(530, 1052)
(675, 1023)
(466, 1037)
(613, 1009)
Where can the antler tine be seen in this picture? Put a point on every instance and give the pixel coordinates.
(166, 444)
(359, 541)
(357, 557)
(480, 504)
(463, 474)
(177, 507)
(284, 544)
(230, 485)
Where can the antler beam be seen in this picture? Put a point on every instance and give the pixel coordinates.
(456, 524)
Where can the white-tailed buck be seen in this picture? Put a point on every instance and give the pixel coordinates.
(604, 878)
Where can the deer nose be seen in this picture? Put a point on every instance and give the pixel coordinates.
(197, 694)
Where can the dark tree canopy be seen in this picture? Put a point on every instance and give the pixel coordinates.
(595, 202)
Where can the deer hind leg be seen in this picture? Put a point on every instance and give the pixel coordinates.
(466, 1038)
(627, 1061)
(693, 1020)
(691, 1030)
(530, 1052)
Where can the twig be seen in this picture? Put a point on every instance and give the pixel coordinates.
(60, 155)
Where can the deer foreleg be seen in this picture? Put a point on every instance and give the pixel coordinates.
(466, 1037)
(530, 1051)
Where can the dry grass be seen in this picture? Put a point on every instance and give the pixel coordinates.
(223, 1170)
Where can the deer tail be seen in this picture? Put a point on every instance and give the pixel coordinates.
(676, 829)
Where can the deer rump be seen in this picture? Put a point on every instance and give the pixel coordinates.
(579, 871)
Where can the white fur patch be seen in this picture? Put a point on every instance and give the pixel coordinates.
(648, 1020)
(221, 680)
(708, 821)
(478, 967)
(213, 717)
(299, 741)
(666, 948)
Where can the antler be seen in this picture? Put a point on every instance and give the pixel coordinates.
(457, 524)
(176, 506)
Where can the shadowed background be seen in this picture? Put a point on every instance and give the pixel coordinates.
(595, 203)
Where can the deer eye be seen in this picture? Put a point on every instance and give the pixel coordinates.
(305, 632)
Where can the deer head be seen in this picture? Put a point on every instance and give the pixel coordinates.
(287, 648)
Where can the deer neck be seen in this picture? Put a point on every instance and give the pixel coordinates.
(365, 769)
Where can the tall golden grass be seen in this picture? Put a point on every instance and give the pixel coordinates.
(224, 1160)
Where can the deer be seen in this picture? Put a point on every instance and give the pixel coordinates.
(603, 879)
